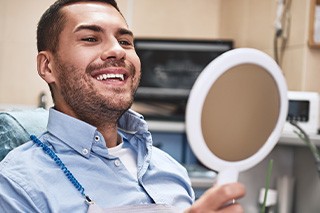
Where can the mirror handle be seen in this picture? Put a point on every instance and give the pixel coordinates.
(227, 176)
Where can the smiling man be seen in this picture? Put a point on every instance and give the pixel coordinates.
(94, 70)
(96, 151)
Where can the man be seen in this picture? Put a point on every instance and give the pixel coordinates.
(96, 150)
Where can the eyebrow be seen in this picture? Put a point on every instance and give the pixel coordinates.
(96, 28)
(124, 31)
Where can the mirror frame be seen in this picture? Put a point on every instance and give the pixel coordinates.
(197, 97)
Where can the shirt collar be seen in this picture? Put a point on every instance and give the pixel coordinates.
(77, 134)
(132, 122)
(80, 135)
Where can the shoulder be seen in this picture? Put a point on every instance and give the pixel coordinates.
(163, 159)
(20, 160)
(16, 154)
(25, 164)
(18, 172)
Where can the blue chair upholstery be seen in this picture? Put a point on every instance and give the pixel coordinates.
(16, 127)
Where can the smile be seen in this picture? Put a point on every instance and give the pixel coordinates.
(110, 76)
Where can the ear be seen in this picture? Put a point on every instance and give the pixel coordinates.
(44, 66)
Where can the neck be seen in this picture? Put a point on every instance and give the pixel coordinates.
(110, 134)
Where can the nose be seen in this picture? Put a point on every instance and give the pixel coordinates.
(113, 50)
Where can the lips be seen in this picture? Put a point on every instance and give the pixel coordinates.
(110, 74)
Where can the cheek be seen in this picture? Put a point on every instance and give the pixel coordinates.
(79, 57)
(137, 73)
(137, 64)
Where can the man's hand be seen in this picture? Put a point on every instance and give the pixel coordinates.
(216, 199)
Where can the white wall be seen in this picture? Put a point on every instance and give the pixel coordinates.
(19, 81)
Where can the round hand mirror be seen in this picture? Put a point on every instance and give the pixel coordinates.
(235, 112)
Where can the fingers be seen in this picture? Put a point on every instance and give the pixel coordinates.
(226, 193)
(217, 198)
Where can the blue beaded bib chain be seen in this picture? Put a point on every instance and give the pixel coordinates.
(65, 170)
(160, 208)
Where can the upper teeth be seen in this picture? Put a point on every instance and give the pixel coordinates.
(107, 76)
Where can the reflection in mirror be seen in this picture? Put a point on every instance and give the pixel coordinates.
(240, 112)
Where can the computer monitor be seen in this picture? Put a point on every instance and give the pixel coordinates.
(169, 70)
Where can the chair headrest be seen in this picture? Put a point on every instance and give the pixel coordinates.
(16, 127)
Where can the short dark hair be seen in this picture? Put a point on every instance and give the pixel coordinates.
(52, 22)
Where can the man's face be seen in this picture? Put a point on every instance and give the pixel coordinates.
(97, 68)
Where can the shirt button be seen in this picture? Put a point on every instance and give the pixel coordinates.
(85, 151)
(117, 163)
(97, 138)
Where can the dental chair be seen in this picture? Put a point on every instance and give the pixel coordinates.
(16, 127)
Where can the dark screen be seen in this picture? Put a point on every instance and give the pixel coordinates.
(298, 111)
(172, 66)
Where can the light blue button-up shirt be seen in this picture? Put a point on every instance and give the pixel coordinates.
(30, 181)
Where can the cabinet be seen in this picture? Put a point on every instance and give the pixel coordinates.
(314, 24)
(175, 143)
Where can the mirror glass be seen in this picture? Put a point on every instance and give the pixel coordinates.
(236, 111)
(240, 112)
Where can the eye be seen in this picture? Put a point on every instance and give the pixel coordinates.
(125, 43)
(89, 39)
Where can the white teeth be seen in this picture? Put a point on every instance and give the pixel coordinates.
(108, 76)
